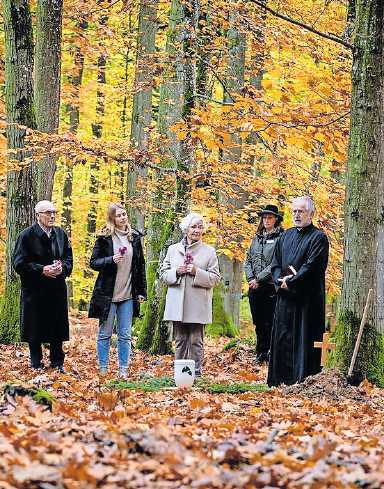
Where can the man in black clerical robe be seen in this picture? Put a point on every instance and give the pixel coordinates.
(298, 271)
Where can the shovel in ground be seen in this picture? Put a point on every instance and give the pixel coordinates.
(355, 378)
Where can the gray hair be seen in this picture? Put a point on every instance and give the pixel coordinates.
(307, 201)
(43, 206)
(188, 219)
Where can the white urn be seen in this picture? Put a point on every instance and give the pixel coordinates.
(184, 372)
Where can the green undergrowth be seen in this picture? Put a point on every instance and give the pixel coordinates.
(40, 396)
(238, 343)
(155, 384)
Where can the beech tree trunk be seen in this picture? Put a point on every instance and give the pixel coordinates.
(142, 99)
(21, 195)
(97, 132)
(232, 269)
(364, 204)
(176, 102)
(47, 84)
(72, 109)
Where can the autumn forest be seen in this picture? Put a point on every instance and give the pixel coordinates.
(217, 107)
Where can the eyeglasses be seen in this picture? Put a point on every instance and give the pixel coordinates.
(48, 213)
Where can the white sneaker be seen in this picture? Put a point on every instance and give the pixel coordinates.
(103, 371)
(123, 373)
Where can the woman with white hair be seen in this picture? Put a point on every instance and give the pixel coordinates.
(191, 270)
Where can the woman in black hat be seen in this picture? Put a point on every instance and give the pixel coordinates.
(262, 297)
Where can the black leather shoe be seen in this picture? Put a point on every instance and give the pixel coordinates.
(38, 367)
(60, 369)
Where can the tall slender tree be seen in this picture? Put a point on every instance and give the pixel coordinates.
(177, 96)
(21, 195)
(47, 84)
(73, 112)
(94, 177)
(364, 203)
(142, 98)
(232, 269)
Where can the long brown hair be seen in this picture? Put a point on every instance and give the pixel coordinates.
(260, 227)
(109, 227)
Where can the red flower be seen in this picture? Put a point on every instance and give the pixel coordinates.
(188, 258)
(122, 250)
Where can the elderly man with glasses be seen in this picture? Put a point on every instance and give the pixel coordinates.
(43, 259)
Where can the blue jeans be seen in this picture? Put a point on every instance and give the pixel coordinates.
(124, 312)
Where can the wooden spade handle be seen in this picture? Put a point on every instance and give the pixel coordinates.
(358, 339)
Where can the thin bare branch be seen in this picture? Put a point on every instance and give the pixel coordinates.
(329, 36)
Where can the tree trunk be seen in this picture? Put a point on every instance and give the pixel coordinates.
(72, 109)
(97, 132)
(364, 204)
(47, 84)
(142, 99)
(176, 102)
(73, 112)
(21, 196)
(232, 269)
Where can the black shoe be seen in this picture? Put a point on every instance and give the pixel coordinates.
(262, 358)
(60, 369)
(40, 366)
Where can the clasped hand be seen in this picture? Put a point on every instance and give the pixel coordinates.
(118, 258)
(284, 282)
(52, 271)
(184, 269)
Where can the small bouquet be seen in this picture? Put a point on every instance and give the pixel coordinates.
(188, 259)
(122, 250)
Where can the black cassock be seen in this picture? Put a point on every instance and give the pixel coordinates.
(43, 303)
(299, 318)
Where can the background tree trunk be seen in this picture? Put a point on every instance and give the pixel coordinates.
(364, 204)
(47, 84)
(176, 102)
(232, 269)
(142, 98)
(21, 195)
(97, 132)
(73, 111)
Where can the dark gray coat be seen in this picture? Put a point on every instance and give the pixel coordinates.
(43, 305)
(259, 257)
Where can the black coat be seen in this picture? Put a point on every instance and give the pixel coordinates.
(43, 305)
(299, 318)
(102, 262)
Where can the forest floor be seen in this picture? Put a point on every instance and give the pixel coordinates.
(322, 433)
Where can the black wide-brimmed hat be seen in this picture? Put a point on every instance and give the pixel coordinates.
(271, 209)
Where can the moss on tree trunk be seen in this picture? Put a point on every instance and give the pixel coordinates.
(9, 314)
(222, 323)
(21, 196)
(370, 360)
(364, 203)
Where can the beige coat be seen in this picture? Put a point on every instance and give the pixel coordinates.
(189, 299)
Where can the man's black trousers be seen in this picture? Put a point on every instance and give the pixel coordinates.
(56, 354)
